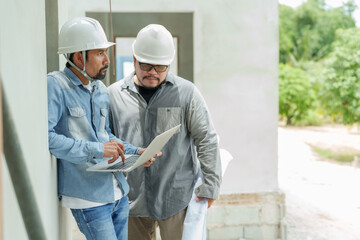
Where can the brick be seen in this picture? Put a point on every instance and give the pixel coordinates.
(253, 233)
(251, 198)
(270, 214)
(270, 232)
(216, 215)
(242, 215)
(233, 215)
(264, 232)
(225, 233)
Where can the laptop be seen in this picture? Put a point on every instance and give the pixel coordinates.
(134, 161)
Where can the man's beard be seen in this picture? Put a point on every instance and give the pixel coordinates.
(100, 74)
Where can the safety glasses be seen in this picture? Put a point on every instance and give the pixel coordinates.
(158, 68)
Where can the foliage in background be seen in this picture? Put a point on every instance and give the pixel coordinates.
(287, 33)
(307, 32)
(296, 96)
(306, 40)
(341, 93)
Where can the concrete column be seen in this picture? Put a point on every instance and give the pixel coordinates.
(1, 153)
(52, 32)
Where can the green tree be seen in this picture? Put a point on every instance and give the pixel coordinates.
(287, 33)
(296, 96)
(306, 34)
(341, 92)
(306, 17)
(306, 40)
(330, 21)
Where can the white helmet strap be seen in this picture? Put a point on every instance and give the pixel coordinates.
(83, 72)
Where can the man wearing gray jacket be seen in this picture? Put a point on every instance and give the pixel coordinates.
(147, 103)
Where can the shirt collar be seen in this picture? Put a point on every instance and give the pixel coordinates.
(170, 78)
(129, 82)
(74, 79)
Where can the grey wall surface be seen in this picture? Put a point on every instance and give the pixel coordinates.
(236, 69)
(23, 68)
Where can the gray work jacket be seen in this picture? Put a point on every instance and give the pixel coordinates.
(165, 188)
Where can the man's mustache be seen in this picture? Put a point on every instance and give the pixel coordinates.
(104, 67)
(152, 77)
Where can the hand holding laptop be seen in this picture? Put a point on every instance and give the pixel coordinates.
(151, 160)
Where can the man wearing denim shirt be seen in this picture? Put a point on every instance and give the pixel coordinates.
(79, 134)
(146, 103)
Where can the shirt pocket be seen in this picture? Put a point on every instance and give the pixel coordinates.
(167, 118)
(103, 116)
(79, 126)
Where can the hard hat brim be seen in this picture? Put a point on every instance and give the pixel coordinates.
(87, 47)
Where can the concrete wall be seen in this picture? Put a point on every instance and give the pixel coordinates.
(23, 69)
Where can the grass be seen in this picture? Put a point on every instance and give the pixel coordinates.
(340, 157)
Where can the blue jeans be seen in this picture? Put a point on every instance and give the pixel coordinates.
(108, 221)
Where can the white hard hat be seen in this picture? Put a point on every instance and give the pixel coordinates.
(81, 34)
(154, 44)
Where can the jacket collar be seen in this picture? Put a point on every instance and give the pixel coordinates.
(74, 79)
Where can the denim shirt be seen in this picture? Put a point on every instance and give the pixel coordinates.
(78, 126)
(166, 187)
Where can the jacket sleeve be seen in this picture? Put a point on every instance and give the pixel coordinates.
(203, 133)
(62, 147)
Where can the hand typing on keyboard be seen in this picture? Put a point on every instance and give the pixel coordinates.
(114, 149)
(151, 160)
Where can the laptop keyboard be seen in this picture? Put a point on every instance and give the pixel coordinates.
(129, 161)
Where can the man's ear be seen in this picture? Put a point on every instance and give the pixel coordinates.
(78, 60)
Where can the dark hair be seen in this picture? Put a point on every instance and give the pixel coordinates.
(71, 58)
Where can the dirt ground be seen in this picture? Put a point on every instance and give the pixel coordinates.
(322, 198)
